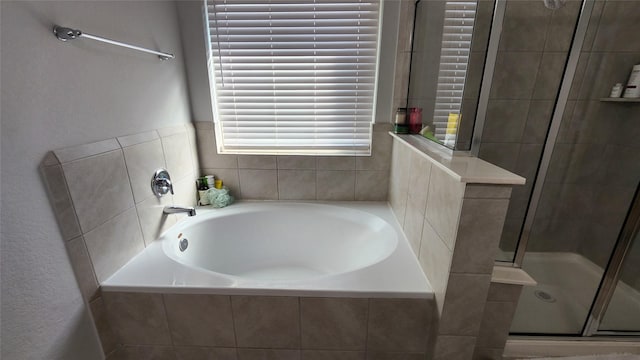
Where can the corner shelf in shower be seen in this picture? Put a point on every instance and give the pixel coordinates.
(621, 100)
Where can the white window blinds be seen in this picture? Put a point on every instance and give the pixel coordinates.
(456, 46)
(293, 76)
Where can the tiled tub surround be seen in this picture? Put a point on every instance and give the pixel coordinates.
(264, 177)
(452, 210)
(156, 305)
(105, 209)
(202, 326)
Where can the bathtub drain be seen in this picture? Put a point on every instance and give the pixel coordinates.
(183, 244)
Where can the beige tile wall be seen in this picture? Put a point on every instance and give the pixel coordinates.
(454, 229)
(299, 177)
(496, 320)
(101, 196)
(265, 327)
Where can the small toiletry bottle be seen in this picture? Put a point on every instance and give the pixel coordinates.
(415, 120)
(633, 86)
(400, 123)
(210, 181)
(218, 184)
(202, 190)
(616, 91)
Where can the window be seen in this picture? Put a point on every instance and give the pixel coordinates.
(293, 76)
(456, 46)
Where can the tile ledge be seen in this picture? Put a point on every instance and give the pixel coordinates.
(462, 167)
(511, 275)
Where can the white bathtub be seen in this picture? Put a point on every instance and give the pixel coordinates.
(354, 249)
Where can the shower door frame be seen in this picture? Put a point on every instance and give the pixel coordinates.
(631, 226)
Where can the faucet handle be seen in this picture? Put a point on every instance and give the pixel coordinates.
(161, 183)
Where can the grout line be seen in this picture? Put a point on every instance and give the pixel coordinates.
(166, 316)
(366, 333)
(233, 324)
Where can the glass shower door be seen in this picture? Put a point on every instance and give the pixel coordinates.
(623, 312)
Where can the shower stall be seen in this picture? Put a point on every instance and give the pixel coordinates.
(534, 99)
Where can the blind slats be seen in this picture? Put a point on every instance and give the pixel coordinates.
(297, 75)
(456, 45)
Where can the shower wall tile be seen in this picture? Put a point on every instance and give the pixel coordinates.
(137, 318)
(549, 75)
(398, 325)
(617, 30)
(505, 120)
(60, 199)
(538, 120)
(113, 243)
(604, 70)
(333, 323)
(516, 73)
(335, 185)
(525, 26)
(99, 187)
(82, 267)
(594, 22)
(142, 161)
(504, 155)
(560, 29)
(266, 322)
(201, 320)
(258, 184)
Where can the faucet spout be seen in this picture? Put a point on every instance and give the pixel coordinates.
(191, 211)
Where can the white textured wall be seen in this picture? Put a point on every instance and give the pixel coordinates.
(55, 95)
